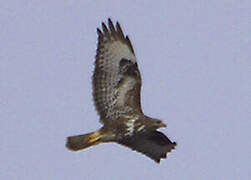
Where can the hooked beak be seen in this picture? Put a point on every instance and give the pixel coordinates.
(162, 125)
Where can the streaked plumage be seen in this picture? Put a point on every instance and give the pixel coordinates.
(116, 92)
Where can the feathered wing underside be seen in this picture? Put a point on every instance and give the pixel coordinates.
(116, 78)
(153, 144)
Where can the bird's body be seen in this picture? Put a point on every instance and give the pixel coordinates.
(116, 92)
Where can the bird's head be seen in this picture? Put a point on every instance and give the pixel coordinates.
(156, 123)
(159, 123)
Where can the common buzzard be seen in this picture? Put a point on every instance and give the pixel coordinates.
(116, 92)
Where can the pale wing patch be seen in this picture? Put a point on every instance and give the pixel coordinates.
(113, 52)
(120, 50)
(127, 85)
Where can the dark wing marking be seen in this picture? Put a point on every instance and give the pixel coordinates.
(116, 78)
(153, 144)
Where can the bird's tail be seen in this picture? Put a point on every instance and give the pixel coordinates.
(79, 142)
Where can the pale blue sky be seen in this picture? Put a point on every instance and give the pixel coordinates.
(194, 58)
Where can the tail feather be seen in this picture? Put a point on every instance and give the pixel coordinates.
(79, 142)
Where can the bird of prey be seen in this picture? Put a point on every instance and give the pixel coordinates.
(116, 92)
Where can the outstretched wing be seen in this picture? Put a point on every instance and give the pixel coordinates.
(116, 78)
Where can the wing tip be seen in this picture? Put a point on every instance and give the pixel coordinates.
(116, 31)
(99, 32)
(153, 144)
(164, 156)
(104, 28)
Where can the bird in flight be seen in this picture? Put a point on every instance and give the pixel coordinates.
(116, 91)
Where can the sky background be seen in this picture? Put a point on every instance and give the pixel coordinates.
(194, 57)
